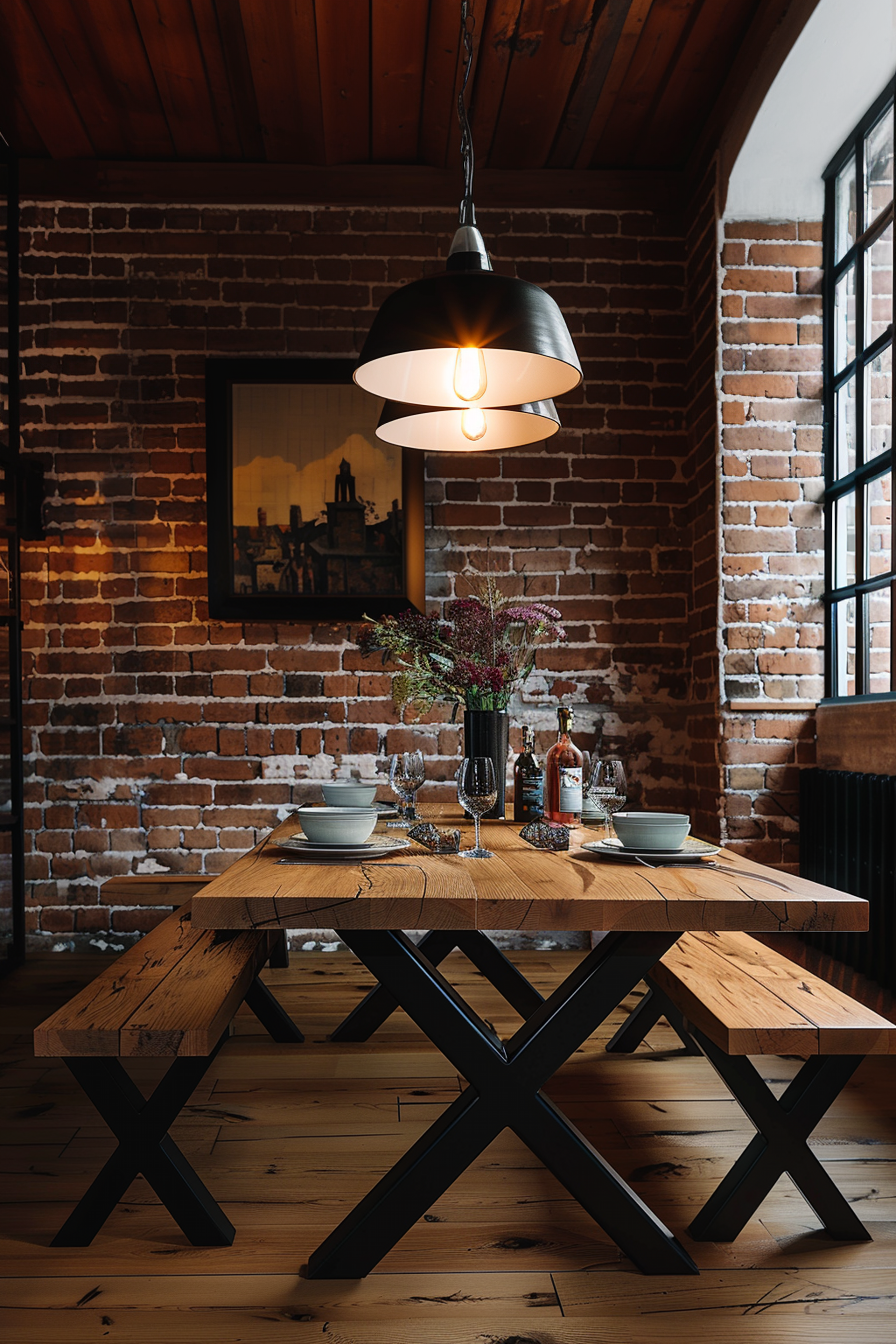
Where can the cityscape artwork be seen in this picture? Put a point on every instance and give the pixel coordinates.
(316, 496)
(315, 500)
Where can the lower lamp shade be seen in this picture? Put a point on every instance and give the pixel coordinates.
(437, 430)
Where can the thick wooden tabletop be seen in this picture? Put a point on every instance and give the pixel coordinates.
(520, 888)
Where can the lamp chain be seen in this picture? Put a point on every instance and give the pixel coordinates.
(467, 27)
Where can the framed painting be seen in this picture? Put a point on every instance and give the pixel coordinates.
(310, 516)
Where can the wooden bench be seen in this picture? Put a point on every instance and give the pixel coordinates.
(172, 995)
(736, 997)
(152, 888)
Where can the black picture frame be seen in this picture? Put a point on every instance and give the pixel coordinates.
(336, 563)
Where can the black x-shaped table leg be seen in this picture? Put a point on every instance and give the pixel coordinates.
(141, 1126)
(373, 1010)
(781, 1145)
(504, 1091)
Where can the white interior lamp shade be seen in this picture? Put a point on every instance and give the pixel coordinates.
(411, 351)
(441, 430)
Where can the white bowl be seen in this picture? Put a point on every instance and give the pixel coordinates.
(348, 793)
(652, 830)
(337, 825)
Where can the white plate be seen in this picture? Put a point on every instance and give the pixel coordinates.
(690, 850)
(373, 848)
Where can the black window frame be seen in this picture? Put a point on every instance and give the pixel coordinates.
(865, 471)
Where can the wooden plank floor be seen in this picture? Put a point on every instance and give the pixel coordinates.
(288, 1138)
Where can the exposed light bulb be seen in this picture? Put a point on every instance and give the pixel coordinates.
(469, 373)
(472, 423)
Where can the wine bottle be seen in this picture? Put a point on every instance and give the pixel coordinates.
(528, 782)
(563, 776)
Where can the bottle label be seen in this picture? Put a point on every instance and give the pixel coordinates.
(532, 791)
(570, 799)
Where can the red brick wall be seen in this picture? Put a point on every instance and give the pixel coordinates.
(159, 740)
(772, 556)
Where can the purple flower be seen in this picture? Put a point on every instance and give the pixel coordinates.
(481, 653)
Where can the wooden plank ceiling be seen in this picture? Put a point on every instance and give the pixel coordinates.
(562, 84)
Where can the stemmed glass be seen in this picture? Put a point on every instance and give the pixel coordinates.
(406, 773)
(477, 791)
(607, 789)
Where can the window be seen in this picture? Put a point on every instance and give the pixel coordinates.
(858, 364)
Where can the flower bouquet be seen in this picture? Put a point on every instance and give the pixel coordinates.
(477, 655)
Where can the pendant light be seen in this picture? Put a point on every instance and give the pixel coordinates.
(472, 430)
(468, 341)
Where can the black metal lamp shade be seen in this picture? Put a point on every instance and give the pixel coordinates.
(439, 429)
(411, 349)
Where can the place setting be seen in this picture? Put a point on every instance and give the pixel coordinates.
(649, 838)
(342, 828)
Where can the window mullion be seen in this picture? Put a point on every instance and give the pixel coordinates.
(861, 539)
(827, 438)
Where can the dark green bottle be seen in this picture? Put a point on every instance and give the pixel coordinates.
(528, 782)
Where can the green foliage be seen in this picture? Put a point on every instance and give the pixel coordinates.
(477, 656)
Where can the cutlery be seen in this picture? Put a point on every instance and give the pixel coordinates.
(312, 857)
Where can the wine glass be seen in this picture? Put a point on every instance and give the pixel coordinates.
(477, 791)
(406, 773)
(607, 789)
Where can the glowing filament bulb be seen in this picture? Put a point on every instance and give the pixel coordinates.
(472, 423)
(469, 373)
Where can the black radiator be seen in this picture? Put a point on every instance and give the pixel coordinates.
(848, 841)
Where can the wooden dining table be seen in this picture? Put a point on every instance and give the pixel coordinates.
(642, 910)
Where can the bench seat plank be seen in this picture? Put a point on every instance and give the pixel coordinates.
(91, 1022)
(845, 1027)
(150, 889)
(722, 1001)
(187, 1011)
(173, 993)
(749, 999)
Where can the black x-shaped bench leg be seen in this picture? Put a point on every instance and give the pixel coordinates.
(379, 1004)
(271, 1013)
(644, 1017)
(504, 1091)
(141, 1126)
(781, 1145)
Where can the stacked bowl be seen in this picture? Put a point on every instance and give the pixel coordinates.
(652, 830)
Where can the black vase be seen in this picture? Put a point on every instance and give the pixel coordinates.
(486, 733)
